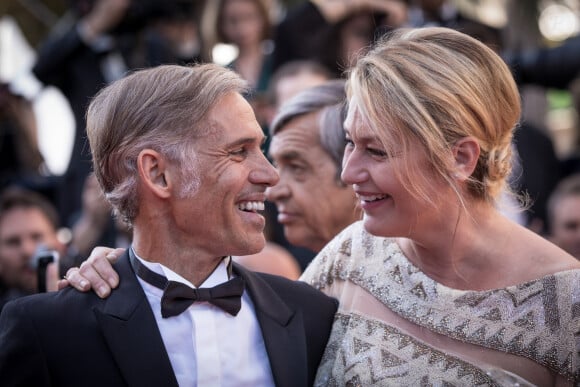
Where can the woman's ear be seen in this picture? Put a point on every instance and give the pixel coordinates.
(466, 153)
(153, 172)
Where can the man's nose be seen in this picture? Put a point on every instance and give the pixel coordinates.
(265, 173)
(28, 249)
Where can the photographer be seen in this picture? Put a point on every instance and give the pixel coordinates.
(28, 221)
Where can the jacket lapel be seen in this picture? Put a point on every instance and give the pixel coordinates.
(131, 332)
(282, 330)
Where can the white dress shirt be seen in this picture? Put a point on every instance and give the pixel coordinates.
(206, 345)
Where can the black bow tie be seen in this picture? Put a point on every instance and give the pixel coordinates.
(177, 297)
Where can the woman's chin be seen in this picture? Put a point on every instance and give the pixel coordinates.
(376, 227)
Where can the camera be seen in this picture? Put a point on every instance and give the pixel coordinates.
(39, 261)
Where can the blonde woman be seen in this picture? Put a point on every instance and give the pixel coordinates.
(435, 285)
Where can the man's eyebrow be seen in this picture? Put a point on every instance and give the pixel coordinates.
(289, 155)
(246, 140)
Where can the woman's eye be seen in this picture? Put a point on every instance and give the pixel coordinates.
(377, 152)
(349, 144)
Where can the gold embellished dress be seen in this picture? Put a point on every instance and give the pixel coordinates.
(397, 327)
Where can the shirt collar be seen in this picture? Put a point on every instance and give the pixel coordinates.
(221, 274)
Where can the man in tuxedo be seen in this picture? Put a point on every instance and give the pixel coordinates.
(177, 152)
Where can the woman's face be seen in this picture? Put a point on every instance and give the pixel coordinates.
(242, 22)
(390, 210)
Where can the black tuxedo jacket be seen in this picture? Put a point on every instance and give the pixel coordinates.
(68, 338)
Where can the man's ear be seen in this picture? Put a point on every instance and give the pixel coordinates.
(153, 172)
(466, 153)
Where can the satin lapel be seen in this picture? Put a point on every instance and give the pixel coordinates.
(131, 332)
(282, 330)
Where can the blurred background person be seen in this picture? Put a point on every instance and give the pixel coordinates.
(564, 215)
(247, 25)
(287, 81)
(173, 36)
(28, 221)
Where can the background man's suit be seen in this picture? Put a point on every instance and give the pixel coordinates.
(69, 338)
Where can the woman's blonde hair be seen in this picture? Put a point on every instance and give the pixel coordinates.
(437, 85)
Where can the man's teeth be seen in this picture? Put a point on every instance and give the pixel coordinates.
(371, 198)
(251, 206)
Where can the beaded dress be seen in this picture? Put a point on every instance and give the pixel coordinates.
(397, 327)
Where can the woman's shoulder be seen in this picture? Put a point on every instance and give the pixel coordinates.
(541, 257)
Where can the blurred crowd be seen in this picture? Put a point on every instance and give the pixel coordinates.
(281, 50)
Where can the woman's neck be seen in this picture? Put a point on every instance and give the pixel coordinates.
(461, 254)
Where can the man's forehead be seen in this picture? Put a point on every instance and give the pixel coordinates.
(222, 135)
(569, 206)
(24, 213)
(226, 131)
(26, 228)
(297, 134)
(305, 126)
(293, 147)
